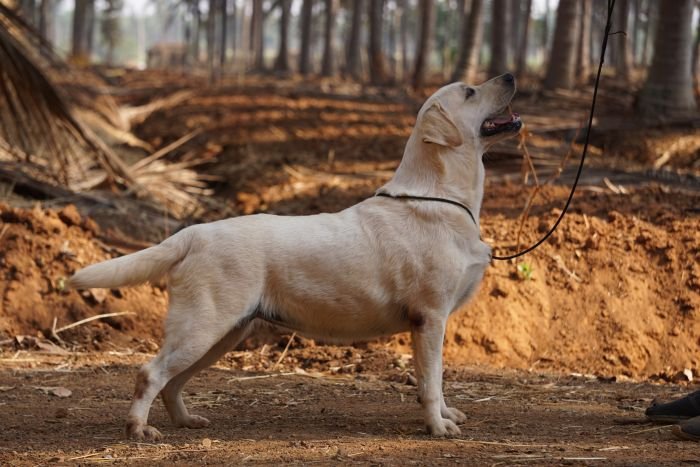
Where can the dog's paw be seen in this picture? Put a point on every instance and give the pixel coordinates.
(443, 427)
(143, 432)
(193, 421)
(453, 414)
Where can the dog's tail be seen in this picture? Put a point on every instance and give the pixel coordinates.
(145, 265)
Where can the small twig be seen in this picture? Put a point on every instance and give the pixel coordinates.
(53, 331)
(538, 187)
(91, 318)
(273, 375)
(654, 428)
(85, 456)
(284, 352)
(498, 443)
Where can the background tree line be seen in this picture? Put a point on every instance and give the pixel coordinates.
(392, 42)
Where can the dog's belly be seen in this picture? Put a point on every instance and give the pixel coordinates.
(332, 324)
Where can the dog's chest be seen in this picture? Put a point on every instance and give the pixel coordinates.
(474, 276)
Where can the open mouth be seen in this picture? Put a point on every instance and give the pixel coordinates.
(509, 122)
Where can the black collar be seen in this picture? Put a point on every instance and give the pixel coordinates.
(430, 198)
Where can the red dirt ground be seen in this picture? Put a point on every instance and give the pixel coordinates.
(326, 416)
(613, 296)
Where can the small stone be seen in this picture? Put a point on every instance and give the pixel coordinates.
(70, 215)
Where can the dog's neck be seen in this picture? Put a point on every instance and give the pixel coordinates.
(439, 171)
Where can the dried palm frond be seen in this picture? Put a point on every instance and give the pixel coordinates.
(175, 185)
(48, 140)
(35, 117)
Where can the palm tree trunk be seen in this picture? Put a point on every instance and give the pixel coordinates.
(391, 42)
(651, 15)
(211, 47)
(46, 19)
(222, 37)
(562, 61)
(305, 48)
(90, 28)
(352, 66)
(696, 56)
(233, 27)
(499, 38)
(669, 86)
(377, 65)
(516, 20)
(636, 26)
(403, 39)
(427, 16)
(282, 60)
(256, 36)
(521, 65)
(583, 57)
(327, 66)
(78, 50)
(544, 39)
(196, 32)
(623, 59)
(472, 32)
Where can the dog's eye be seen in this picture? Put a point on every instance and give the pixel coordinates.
(469, 92)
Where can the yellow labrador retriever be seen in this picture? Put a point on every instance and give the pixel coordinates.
(389, 264)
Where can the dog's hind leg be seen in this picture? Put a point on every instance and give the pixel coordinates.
(193, 327)
(172, 392)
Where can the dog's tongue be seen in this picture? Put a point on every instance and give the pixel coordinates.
(501, 120)
(505, 119)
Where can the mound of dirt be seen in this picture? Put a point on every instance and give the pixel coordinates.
(40, 248)
(616, 291)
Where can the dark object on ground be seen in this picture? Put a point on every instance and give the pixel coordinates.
(674, 411)
(689, 429)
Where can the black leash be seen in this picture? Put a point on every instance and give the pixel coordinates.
(604, 46)
(430, 198)
(608, 25)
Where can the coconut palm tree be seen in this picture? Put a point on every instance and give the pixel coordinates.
(669, 85)
(327, 64)
(282, 60)
(305, 47)
(499, 38)
(427, 18)
(377, 63)
(470, 43)
(562, 62)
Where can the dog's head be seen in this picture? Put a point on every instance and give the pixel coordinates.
(459, 113)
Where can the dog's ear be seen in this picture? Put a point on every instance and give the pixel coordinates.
(437, 127)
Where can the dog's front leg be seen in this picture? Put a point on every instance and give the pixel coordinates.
(428, 334)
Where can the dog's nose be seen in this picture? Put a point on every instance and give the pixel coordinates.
(508, 78)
